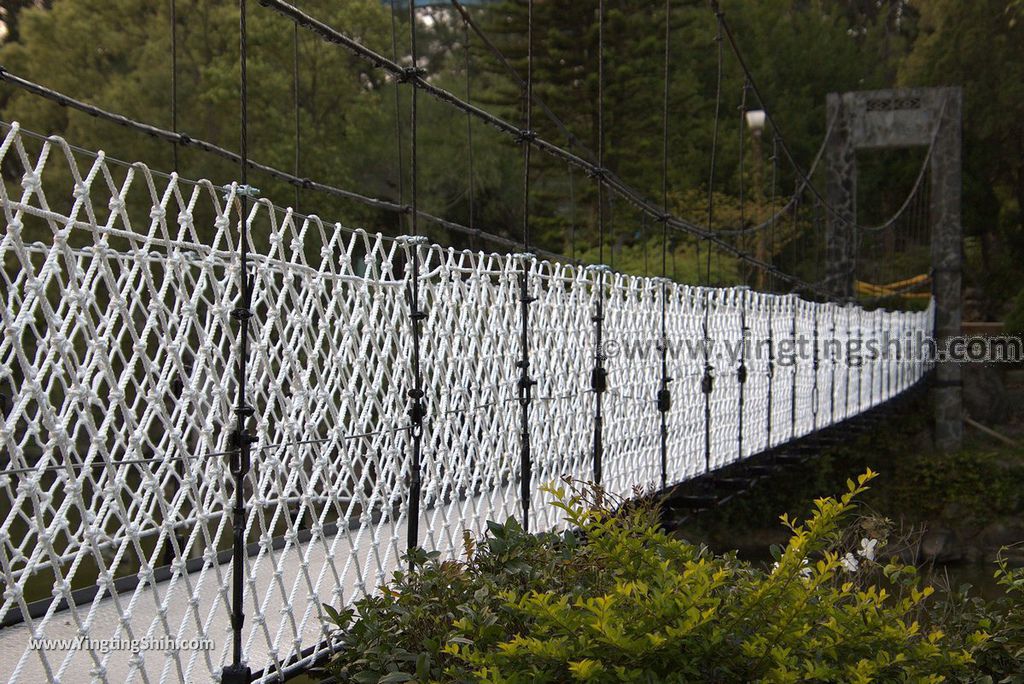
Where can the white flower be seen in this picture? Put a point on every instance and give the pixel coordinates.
(849, 563)
(867, 549)
(806, 570)
(775, 566)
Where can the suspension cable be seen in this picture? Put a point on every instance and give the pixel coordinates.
(469, 126)
(603, 176)
(398, 107)
(187, 141)
(296, 104)
(714, 140)
(174, 76)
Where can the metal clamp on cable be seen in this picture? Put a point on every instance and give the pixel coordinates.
(525, 383)
(741, 373)
(417, 411)
(411, 73)
(664, 399)
(240, 462)
(599, 380)
(415, 312)
(707, 383)
(523, 135)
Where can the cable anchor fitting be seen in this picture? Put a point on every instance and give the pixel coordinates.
(240, 191)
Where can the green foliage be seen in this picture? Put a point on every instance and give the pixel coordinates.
(621, 600)
(1015, 319)
(999, 657)
(980, 45)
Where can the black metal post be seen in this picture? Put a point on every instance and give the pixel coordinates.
(238, 671)
(741, 372)
(707, 382)
(599, 375)
(525, 386)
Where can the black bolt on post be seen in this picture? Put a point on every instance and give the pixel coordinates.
(238, 671)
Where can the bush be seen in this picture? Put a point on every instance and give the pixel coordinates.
(618, 599)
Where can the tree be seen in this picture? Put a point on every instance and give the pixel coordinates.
(980, 45)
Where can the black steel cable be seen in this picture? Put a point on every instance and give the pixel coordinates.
(296, 105)
(398, 106)
(572, 213)
(771, 206)
(714, 141)
(742, 146)
(174, 75)
(187, 141)
(200, 457)
(573, 141)
(469, 128)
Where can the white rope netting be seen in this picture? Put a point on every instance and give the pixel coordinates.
(118, 358)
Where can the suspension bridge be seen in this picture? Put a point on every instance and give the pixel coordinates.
(221, 414)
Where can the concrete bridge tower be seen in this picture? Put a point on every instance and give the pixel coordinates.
(904, 117)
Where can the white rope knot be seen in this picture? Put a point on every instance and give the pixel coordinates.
(30, 182)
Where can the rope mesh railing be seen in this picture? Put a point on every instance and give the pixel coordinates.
(119, 355)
